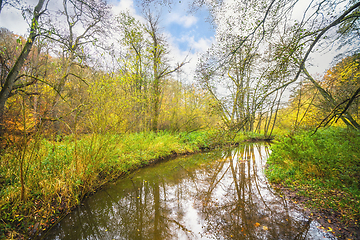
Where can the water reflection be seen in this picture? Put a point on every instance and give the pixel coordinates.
(216, 195)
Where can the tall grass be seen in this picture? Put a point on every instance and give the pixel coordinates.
(324, 166)
(57, 175)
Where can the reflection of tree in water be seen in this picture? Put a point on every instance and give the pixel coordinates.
(139, 212)
(143, 213)
(236, 203)
(217, 195)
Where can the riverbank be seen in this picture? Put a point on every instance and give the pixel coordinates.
(42, 181)
(321, 172)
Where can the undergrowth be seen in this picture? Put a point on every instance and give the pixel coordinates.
(324, 166)
(59, 174)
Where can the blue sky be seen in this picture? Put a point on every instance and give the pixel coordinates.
(192, 26)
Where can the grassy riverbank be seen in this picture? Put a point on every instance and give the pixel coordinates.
(41, 181)
(324, 167)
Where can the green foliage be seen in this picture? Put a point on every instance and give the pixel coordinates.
(203, 139)
(324, 166)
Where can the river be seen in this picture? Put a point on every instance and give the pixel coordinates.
(213, 195)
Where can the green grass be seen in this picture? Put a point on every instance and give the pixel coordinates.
(58, 175)
(324, 166)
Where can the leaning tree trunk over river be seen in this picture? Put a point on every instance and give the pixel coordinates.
(346, 117)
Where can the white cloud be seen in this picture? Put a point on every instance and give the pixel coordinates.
(199, 46)
(12, 19)
(123, 6)
(126, 6)
(185, 20)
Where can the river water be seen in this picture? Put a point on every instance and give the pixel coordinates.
(214, 195)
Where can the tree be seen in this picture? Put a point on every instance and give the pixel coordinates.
(12, 3)
(287, 41)
(134, 66)
(341, 89)
(160, 67)
(84, 21)
(12, 75)
(246, 76)
(79, 25)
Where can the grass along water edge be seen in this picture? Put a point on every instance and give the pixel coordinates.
(323, 167)
(43, 180)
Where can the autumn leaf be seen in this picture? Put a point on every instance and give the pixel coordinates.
(265, 228)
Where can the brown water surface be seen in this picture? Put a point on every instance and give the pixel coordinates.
(214, 195)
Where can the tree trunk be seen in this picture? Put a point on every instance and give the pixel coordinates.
(157, 212)
(14, 72)
(156, 97)
(347, 119)
(156, 105)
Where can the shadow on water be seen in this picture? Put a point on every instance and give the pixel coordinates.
(214, 195)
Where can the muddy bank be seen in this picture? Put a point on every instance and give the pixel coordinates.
(329, 219)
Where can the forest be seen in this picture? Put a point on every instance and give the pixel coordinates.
(88, 96)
